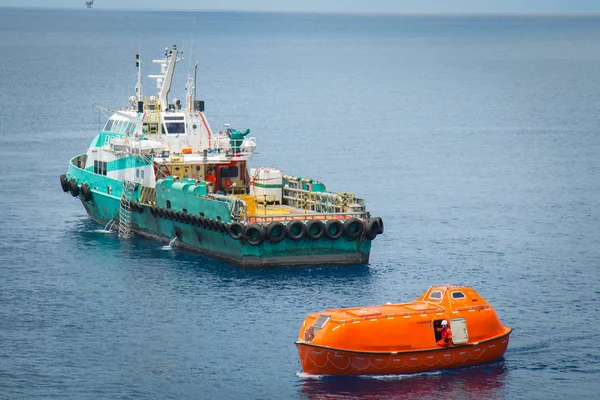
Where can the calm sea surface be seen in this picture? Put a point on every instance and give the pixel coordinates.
(476, 139)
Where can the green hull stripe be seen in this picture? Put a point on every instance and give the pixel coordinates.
(262, 185)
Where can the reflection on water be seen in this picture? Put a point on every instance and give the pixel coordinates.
(479, 382)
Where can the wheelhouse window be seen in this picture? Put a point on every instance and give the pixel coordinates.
(108, 125)
(174, 125)
(458, 295)
(100, 167)
(229, 172)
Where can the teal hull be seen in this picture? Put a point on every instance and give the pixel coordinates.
(104, 206)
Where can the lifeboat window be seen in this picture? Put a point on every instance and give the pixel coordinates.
(458, 295)
(436, 294)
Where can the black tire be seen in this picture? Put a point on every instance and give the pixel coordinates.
(380, 231)
(334, 229)
(254, 234)
(73, 188)
(353, 228)
(85, 192)
(315, 229)
(64, 183)
(276, 232)
(295, 230)
(371, 228)
(236, 229)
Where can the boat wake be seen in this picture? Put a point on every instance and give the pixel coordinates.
(107, 228)
(170, 245)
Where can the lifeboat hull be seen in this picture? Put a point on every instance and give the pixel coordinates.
(317, 360)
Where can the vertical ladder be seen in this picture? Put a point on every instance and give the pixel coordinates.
(125, 211)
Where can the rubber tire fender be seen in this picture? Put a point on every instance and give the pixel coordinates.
(85, 192)
(236, 229)
(251, 237)
(272, 236)
(64, 183)
(312, 225)
(73, 188)
(353, 228)
(292, 228)
(334, 229)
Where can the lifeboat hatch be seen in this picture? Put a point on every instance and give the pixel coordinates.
(459, 330)
(312, 330)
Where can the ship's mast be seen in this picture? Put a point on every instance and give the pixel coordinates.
(163, 81)
(138, 86)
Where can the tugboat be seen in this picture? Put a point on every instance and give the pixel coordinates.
(449, 326)
(158, 170)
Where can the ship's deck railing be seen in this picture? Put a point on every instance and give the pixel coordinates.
(307, 216)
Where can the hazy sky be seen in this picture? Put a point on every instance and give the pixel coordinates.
(419, 6)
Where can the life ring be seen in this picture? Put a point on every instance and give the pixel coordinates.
(236, 229)
(64, 183)
(295, 230)
(334, 229)
(73, 187)
(315, 229)
(276, 232)
(254, 234)
(86, 192)
(353, 228)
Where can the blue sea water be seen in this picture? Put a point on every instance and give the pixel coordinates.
(475, 138)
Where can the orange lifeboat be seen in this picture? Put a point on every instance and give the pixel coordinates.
(404, 338)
